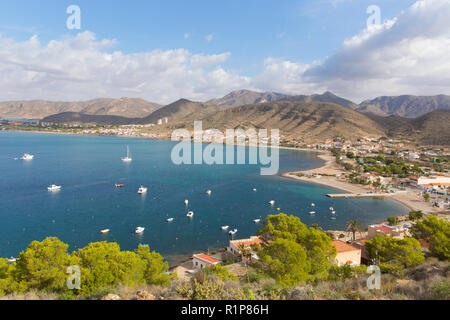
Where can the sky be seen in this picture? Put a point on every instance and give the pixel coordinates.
(165, 50)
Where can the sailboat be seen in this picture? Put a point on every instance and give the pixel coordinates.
(128, 157)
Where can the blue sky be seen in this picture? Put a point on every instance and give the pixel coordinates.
(250, 29)
(299, 32)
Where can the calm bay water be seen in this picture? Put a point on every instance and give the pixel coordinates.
(88, 167)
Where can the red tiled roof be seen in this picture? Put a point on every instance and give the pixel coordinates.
(247, 242)
(206, 258)
(424, 244)
(343, 247)
(384, 229)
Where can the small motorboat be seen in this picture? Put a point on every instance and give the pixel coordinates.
(224, 228)
(105, 231)
(208, 192)
(170, 220)
(257, 221)
(333, 218)
(254, 190)
(119, 185)
(53, 188)
(186, 202)
(333, 212)
(331, 209)
(142, 190)
(139, 230)
(190, 214)
(233, 232)
(312, 213)
(272, 202)
(27, 157)
(313, 205)
(12, 260)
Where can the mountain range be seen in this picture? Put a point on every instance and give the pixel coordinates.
(312, 121)
(38, 109)
(406, 106)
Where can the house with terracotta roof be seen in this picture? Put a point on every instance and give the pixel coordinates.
(236, 246)
(201, 261)
(346, 254)
(361, 244)
(390, 231)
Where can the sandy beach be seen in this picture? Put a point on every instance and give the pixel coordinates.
(411, 199)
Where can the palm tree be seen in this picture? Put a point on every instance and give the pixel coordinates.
(245, 252)
(353, 226)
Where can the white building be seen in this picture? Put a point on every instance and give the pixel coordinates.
(201, 261)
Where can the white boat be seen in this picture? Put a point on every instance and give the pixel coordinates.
(128, 157)
(312, 213)
(27, 156)
(257, 220)
(233, 232)
(224, 228)
(105, 231)
(12, 260)
(190, 214)
(333, 212)
(272, 202)
(140, 230)
(331, 209)
(142, 190)
(54, 188)
(313, 205)
(186, 202)
(254, 190)
(208, 192)
(170, 220)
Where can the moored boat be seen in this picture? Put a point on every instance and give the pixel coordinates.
(139, 230)
(105, 231)
(128, 157)
(190, 214)
(54, 188)
(142, 190)
(27, 156)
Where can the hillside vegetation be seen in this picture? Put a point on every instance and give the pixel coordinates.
(296, 262)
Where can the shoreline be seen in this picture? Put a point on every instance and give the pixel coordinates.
(328, 171)
(329, 167)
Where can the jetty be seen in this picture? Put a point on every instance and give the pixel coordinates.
(360, 195)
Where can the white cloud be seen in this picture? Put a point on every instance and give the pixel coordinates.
(80, 67)
(407, 55)
(209, 37)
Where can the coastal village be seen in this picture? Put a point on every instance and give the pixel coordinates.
(416, 176)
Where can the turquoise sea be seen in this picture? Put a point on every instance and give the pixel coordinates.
(87, 168)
